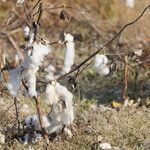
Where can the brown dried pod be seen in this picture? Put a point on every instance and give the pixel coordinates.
(64, 15)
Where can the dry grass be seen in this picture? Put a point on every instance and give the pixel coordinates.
(127, 128)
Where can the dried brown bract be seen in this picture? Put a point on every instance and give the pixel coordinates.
(64, 15)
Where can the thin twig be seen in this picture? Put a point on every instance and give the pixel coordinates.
(17, 114)
(125, 88)
(40, 118)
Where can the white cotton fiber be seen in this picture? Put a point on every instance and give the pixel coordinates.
(32, 122)
(14, 80)
(69, 53)
(38, 53)
(20, 2)
(50, 70)
(32, 60)
(26, 31)
(62, 110)
(66, 97)
(31, 79)
(51, 96)
(100, 65)
(130, 3)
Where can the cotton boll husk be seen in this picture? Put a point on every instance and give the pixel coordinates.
(130, 3)
(51, 96)
(69, 53)
(50, 73)
(14, 80)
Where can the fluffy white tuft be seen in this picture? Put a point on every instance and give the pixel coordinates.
(66, 97)
(19, 2)
(26, 31)
(14, 80)
(32, 60)
(130, 3)
(31, 79)
(51, 96)
(69, 53)
(50, 73)
(38, 53)
(100, 65)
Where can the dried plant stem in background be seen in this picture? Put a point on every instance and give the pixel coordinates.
(17, 114)
(125, 88)
(40, 118)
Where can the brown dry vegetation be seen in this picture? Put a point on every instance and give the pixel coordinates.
(127, 127)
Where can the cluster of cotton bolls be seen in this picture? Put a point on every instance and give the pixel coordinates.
(32, 63)
(100, 65)
(33, 58)
(57, 96)
(60, 116)
(60, 100)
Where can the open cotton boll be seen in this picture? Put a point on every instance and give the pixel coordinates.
(104, 71)
(99, 60)
(50, 73)
(100, 65)
(51, 96)
(130, 3)
(65, 96)
(14, 80)
(19, 2)
(26, 31)
(31, 79)
(38, 53)
(69, 53)
(32, 122)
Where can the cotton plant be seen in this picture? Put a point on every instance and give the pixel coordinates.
(61, 113)
(69, 53)
(100, 65)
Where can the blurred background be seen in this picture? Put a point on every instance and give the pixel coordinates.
(93, 22)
